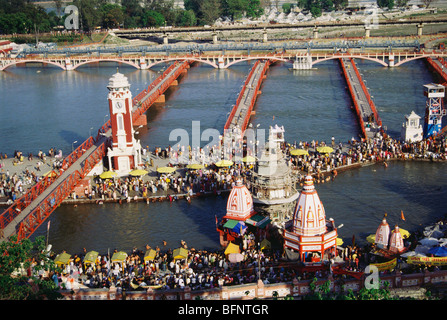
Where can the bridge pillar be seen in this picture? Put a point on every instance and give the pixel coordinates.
(367, 31)
(221, 63)
(165, 39)
(264, 39)
(68, 65)
(315, 33)
(420, 25)
(391, 60)
(143, 64)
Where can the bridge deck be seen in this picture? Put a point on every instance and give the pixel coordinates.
(366, 112)
(241, 112)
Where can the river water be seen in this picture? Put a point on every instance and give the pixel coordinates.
(44, 107)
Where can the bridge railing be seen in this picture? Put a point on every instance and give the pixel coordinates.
(256, 90)
(352, 92)
(38, 215)
(239, 97)
(21, 203)
(368, 96)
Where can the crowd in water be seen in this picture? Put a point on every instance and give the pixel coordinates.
(216, 179)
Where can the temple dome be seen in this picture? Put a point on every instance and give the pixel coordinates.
(396, 241)
(240, 203)
(118, 80)
(309, 218)
(382, 234)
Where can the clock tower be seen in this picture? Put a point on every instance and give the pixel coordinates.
(125, 153)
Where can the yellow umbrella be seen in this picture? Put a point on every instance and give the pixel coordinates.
(166, 170)
(249, 159)
(224, 163)
(107, 175)
(404, 233)
(138, 172)
(180, 253)
(195, 166)
(325, 149)
(62, 258)
(149, 255)
(339, 241)
(119, 256)
(232, 248)
(299, 152)
(371, 238)
(50, 173)
(90, 257)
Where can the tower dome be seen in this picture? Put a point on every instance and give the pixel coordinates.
(309, 218)
(240, 203)
(396, 241)
(118, 80)
(383, 234)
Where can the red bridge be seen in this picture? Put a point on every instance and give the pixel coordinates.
(28, 212)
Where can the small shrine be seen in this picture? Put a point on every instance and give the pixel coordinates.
(412, 129)
(388, 243)
(309, 233)
(241, 217)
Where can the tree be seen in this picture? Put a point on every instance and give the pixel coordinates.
(385, 4)
(428, 2)
(17, 282)
(112, 15)
(186, 18)
(209, 10)
(89, 15)
(152, 18)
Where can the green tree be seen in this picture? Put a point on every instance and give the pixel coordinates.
(385, 4)
(186, 18)
(152, 18)
(90, 16)
(15, 259)
(210, 10)
(112, 15)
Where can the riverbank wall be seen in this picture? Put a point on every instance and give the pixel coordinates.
(403, 286)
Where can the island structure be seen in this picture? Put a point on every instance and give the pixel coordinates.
(273, 185)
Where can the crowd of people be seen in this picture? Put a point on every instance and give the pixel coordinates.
(216, 179)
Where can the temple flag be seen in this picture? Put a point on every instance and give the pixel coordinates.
(402, 215)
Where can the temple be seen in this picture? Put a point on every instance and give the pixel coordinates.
(241, 217)
(309, 233)
(388, 244)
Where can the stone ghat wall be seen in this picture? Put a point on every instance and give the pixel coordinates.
(259, 290)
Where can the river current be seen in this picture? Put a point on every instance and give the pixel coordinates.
(45, 107)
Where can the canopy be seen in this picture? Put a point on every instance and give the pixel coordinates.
(249, 159)
(90, 257)
(180, 253)
(62, 258)
(438, 251)
(50, 173)
(240, 228)
(149, 255)
(232, 248)
(235, 257)
(325, 149)
(138, 172)
(339, 241)
(371, 238)
(404, 233)
(224, 163)
(265, 244)
(166, 170)
(119, 256)
(299, 152)
(107, 175)
(195, 166)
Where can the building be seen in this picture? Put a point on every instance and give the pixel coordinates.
(273, 184)
(241, 217)
(388, 243)
(412, 129)
(309, 233)
(125, 153)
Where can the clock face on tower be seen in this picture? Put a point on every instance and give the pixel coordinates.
(119, 105)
